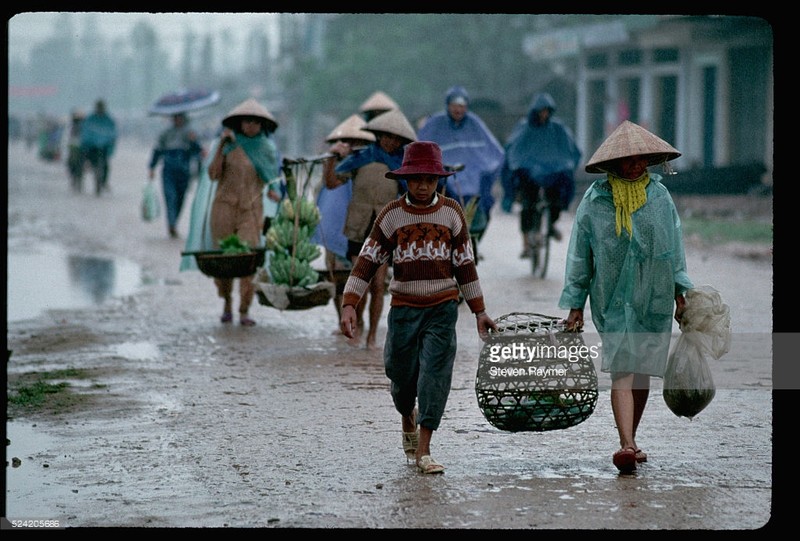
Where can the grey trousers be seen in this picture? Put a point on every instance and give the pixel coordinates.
(418, 357)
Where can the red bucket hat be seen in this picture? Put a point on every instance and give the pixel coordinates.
(421, 158)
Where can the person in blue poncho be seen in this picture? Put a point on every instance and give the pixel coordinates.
(98, 140)
(366, 169)
(541, 152)
(466, 140)
(626, 256)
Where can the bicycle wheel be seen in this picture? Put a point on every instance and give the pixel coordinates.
(540, 240)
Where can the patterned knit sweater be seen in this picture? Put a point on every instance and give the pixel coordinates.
(430, 251)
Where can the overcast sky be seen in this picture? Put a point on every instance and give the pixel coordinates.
(27, 29)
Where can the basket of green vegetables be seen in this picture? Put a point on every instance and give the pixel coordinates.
(234, 259)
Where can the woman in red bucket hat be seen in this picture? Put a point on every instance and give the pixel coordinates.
(425, 237)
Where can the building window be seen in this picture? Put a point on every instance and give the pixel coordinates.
(597, 61)
(630, 57)
(596, 113)
(665, 104)
(629, 96)
(663, 56)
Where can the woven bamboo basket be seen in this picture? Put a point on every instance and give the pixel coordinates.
(534, 377)
(218, 264)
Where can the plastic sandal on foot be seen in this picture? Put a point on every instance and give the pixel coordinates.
(227, 317)
(426, 464)
(625, 459)
(411, 439)
(246, 321)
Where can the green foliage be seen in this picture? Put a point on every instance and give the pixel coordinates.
(45, 391)
(232, 244)
(717, 230)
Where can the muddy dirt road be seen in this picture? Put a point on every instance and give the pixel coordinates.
(192, 423)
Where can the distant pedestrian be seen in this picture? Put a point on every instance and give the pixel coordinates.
(424, 236)
(365, 169)
(178, 148)
(76, 163)
(626, 256)
(98, 141)
(345, 138)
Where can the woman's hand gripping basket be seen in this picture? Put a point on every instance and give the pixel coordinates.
(534, 376)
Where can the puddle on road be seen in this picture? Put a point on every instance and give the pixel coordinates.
(46, 277)
(28, 474)
(139, 351)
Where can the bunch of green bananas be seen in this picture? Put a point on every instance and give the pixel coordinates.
(292, 252)
(292, 271)
(305, 209)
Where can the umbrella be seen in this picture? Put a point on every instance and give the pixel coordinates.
(184, 101)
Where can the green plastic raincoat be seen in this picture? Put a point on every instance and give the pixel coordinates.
(631, 281)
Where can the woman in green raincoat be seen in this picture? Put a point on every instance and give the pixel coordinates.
(626, 256)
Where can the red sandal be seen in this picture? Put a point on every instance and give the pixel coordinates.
(625, 459)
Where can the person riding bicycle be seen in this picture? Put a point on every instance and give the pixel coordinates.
(541, 153)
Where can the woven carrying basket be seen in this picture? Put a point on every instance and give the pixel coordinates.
(217, 264)
(534, 377)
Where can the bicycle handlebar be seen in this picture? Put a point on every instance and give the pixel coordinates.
(455, 168)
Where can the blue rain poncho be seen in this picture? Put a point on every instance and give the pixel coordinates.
(470, 143)
(542, 152)
(99, 131)
(332, 204)
(631, 281)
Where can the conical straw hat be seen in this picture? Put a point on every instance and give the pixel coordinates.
(378, 102)
(630, 139)
(394, 122)
(250, 108)
(351, 128)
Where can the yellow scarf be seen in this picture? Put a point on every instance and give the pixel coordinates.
(629, 196)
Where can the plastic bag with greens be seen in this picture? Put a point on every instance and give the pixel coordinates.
(705, 332)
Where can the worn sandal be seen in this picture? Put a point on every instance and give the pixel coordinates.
(246, 321)
(227, 317)
(410, 443)
(411, 439)
(426, 464)
(625, 459)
